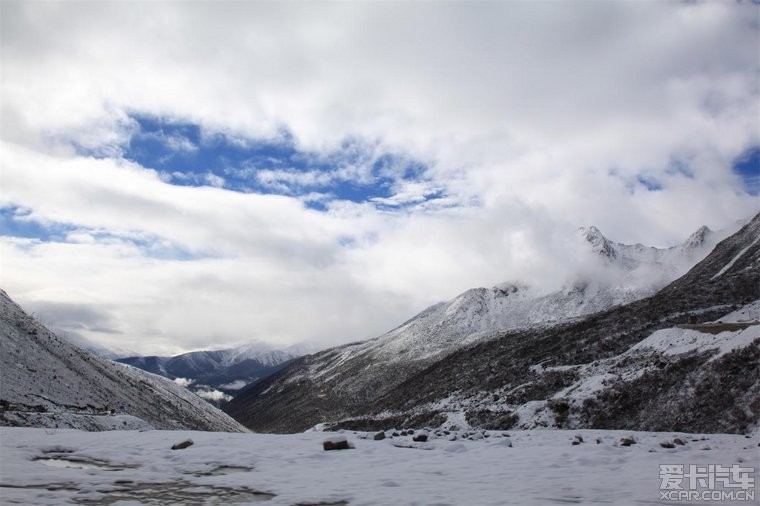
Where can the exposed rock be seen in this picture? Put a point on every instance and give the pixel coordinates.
(182, 445)
(627, 441)
(336, 443)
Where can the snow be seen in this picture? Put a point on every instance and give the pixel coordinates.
(479, 314)
(79, 421)
(670, 262)
(675, 341)
(337, 438)
(541, 467)
(737, 257)
(747, 313)
(588, 385)
(598, 375)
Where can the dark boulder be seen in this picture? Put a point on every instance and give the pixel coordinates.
(184, 444)
(336, 443)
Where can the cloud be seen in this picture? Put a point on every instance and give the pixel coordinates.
(213, 395)
(172, 141)
(409, 192)
(288, 180)
(214, 180)
(235, 385)
(183, 382)
(74, 317)
(510, 124)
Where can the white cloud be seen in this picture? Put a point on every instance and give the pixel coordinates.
(213, 395)
(287, 180)
(532, 119)
(409, 192)
(235, 385)
(214, 180)
(173, 141)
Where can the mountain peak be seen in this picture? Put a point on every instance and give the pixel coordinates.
(697, 238)
(598, 242)
(590, 232)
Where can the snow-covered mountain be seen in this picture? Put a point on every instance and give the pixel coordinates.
(218, 375)
(646, 267)
(619, 274)
(488, 342)
(49, 382)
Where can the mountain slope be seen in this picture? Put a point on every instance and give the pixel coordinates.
(535, 376)
(355, 381)
(621, 274)
(47, 381)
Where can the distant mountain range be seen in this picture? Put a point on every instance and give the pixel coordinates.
(46, 381)
(220, 374)
(512, 356)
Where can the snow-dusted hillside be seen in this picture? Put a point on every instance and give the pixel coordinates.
(653, 382)
(486, 347)
(47, 381)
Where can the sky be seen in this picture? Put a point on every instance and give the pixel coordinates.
(190, 175)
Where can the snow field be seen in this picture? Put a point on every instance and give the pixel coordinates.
(541, 467)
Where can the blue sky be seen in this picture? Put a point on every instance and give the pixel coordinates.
(185, 154)
(16, 222)
(747, 165)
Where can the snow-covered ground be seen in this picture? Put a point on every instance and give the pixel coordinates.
(47, 466)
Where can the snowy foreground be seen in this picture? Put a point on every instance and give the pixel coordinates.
(46, 466)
